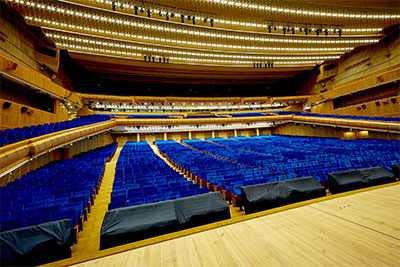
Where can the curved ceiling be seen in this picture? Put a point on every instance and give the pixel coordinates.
(271, 37)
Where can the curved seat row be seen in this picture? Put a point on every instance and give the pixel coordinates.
(10, 136)
(142, 177)
(229, 164)
(59, 190)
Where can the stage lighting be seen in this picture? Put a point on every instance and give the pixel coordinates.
(269, 28)
(212, 22)
(326, 32)
(148, 13)
(292, 30)
(160, 13)
(182, 18)
(340, 32)
(135, 8)
(284, 30)
(113, 5)
(205, 20)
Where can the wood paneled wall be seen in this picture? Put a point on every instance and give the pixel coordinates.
(386, 108)
(305, 130)
(362, 62)
(12, 117)
(331, 132)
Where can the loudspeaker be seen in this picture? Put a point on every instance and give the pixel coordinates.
(393, 100)
(377, 103)
(6, 105)
(24, 109)
(364, 106)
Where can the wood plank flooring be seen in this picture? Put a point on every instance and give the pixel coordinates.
(359, 229)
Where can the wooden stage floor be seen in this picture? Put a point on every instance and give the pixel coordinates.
(358, 229)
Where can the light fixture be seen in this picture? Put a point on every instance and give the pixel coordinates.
(135, 8)
(284, 30)
(148, 13)
(269, 28)
(326, 32)
(183, 18)
(212, 22)
(113, 5)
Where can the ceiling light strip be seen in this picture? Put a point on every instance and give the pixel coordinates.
(149, 51)
(303, 12)
(201, 44)
(161, 10)
(179, 60)
(240, 36)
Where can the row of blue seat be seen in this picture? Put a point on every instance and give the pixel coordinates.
(59, 190)
(14, 135)
(143, 177)
(274, 158)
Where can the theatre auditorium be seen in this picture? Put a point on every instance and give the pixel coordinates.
(199, 133)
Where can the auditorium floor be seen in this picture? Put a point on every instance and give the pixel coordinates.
(357, 229)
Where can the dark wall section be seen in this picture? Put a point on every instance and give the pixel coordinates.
(12, 91)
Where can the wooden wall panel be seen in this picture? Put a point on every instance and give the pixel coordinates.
(386, 108)
(265, 131)
(305, 130)
(362, 63)
(12, 117)
(246, 132)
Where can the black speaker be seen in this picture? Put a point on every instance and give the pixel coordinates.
(24, 109)
(6, 105)
(377, 103)
(393, 100)
(363, 106)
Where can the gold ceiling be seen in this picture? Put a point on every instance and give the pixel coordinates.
(223, 33)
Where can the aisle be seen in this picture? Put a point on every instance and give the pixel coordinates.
(89, 238)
